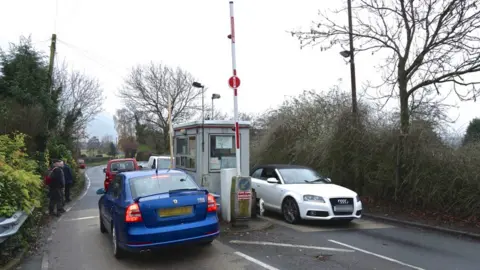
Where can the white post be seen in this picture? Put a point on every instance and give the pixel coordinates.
(235, 96)
(170, 131)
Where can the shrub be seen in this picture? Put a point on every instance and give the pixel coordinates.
(20, 184)
(60, 151)
(316, 130)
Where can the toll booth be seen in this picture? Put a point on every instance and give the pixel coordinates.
(203, 149)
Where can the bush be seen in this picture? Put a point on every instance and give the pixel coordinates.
(60, 151)
(20, 184)
(316, 130)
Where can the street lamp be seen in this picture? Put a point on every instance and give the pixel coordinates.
(214, 96)
(345, 54)
(199, 85)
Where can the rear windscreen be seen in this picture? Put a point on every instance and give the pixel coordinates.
(123, 166)
(163, 163)
(161, 183)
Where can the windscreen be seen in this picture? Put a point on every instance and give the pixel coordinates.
(161, 183)
(122, 166)
(163, 163)
(300, 176)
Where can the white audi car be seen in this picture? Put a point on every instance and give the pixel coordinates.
(299, 193)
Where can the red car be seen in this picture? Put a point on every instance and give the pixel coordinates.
(81, 164)
(115, 166)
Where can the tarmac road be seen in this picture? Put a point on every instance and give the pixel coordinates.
(76, 243)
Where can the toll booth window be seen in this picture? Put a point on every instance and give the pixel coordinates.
(222, 152)
(186, 152)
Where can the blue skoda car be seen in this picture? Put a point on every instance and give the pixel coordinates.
(144, 210)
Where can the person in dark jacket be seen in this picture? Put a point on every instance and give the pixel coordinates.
(67, 172)
(56, 185)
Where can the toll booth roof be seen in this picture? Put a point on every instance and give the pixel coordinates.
(213, 124)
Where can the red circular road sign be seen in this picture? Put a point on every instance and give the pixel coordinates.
(234, 82)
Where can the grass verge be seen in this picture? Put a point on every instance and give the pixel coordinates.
(78, 187)
(96, 163)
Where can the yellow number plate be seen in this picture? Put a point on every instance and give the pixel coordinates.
(178, 211)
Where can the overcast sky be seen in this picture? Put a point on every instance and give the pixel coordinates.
(105, 38)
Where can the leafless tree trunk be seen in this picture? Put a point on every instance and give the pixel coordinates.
(429, 43)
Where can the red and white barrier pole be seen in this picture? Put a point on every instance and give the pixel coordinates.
(235, 94)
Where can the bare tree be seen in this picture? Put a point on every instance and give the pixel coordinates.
(124, 122)
(428, 43)
(147, 88)
(81, 95)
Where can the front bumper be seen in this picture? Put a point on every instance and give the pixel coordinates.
(310, 210)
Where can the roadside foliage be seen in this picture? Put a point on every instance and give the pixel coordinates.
(316, 130)
(20, 184)
(39, 121)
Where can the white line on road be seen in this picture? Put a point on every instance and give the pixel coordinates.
(262, 264)
(86, 189)
(377, 255)
(288, 245)
(81, 218)
(45, 261)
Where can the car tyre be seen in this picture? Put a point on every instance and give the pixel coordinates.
(118, 252)
(102, 226)
(290, 210)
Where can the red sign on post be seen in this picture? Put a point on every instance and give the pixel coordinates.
(234, 82)
(244, 195)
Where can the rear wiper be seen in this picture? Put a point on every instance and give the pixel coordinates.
(137, 199)
(182, 189)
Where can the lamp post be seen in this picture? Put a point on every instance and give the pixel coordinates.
(214, 96)
(351, 54)
(199, 85)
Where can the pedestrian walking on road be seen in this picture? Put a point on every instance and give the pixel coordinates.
(56, 185)
(67, 172)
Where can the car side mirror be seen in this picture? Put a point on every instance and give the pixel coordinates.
(100, 191)
(104, 170)
(329, 180)
(272, 180)
(140, 166)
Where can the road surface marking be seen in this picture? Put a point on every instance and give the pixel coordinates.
(288, 245)
(45, 261)
(81, 218)
(255, 261)
(354, 225)
(377, 255)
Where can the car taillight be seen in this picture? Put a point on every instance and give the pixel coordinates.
(133, 213)
(212, 204)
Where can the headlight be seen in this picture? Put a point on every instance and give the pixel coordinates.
(358, 198)
(313, 198)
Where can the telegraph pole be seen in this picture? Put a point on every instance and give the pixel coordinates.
(51, 64)
(53, 49)
(352, 60)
